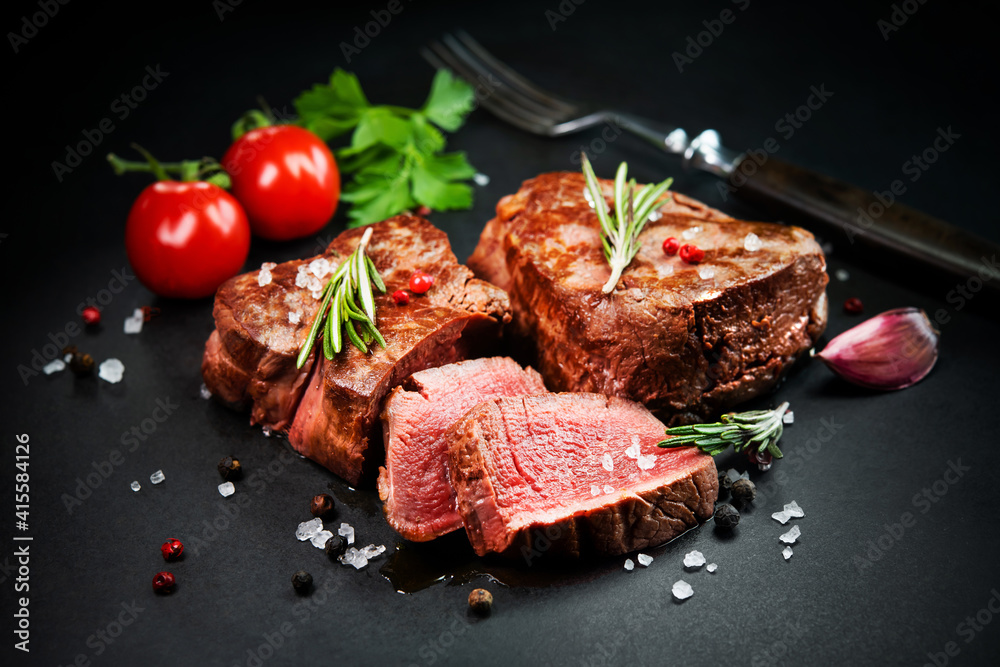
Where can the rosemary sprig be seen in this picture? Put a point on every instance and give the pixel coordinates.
(620, 232)
(351, 282)
(757, 429)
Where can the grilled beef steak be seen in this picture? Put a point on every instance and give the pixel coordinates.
(573, 473)
(416, 494)
(333, 405)
(687, 340)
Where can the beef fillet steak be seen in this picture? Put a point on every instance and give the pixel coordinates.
(689, 341)
(332, 406)
(573, 473)
(416, 494)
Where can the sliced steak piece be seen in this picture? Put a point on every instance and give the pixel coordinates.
(573, 473)
(250, 358)
(457, 318)
(687, 340)
(416, 494)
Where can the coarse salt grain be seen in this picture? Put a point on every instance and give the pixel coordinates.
(655, 215)
(788, 417)
(481, 179)
(302, 278)
(346, 530)
(135, 486)
(791, 535)
(267, 431)
(319, 267)
(607, 463)
(787, 552)
(752, 242)
(711, 567)
(645, 461)
(54, 366)
(319, 539)
(133, 324)
(842, 275)
(629, 565)
(294, 316)
(694, 559)
(682, 590)
(690, 232)
(595, 490)
(644, 560)
(111, 370)
(205, 393)
(608, 488)
(793, 510)
(355, 558)
(157, 477)
(264, 277)
(372, 551)
(308, 529)
(706, 272)
(227, 489)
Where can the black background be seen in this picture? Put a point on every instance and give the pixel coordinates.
(837, 600)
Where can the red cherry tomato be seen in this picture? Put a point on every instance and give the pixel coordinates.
(286, 179)
(185, 239)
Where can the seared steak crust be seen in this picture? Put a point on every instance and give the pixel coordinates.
(687, 340)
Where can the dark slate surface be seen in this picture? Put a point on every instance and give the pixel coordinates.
(861, 587)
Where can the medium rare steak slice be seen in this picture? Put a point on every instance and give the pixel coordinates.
(686, 340)
(579, 471)
(260, 324)
(458, 317)
(416, 494)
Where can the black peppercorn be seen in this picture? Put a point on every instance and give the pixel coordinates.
(724, 481)
(230, 468)
(481, 601)
(322, 506)
(744, 491)
(302, 581)
(335, 547)
(726, 516)
(81, 364)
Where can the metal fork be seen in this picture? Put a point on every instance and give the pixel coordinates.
(514, 99)
(786, 188)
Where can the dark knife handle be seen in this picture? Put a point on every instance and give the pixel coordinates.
(862, 217)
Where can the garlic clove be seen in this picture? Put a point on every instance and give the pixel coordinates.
(893, 350)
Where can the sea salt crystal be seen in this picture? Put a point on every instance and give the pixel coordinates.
(294, 316)
(744, 475)
(227, 489)
(645, 461)
(788, 417)
(319, 539)
(752, 242)
(706, 272)
(54, 366)
(682, 590)
(842, 275)
(790, 536)
(111, 370)
(694, 559)
(690, 232)
(590, 200)
(481, 179)
(655, 215)
(787, 552)
(346, 530)
(264, 277)
(644, 560)
(314, 284)
(302, 277)
(267, 431)
(319, 267)
(781, 517)
(633, 451)
(67, 358)
(157, 477)
(793, 510)
(372, 551)
(133, 324)
(711, 567)
(607, 463)
(309, 529)
(354, 557)
(205, 393)
(608, 488)
(135, 486)
(595, 490)
(317, 294)
(629, 565)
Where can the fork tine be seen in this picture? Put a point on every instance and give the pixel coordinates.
(517, 81)
(439, 55)
(518, 98)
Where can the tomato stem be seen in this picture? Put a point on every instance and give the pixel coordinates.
(207, 169)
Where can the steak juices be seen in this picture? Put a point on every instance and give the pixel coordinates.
(480, 443)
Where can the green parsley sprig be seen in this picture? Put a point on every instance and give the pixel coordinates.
(395, 156)
(351, 282)
(620, 232)
(757, 430)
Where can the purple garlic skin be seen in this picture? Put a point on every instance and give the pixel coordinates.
(892, 350)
